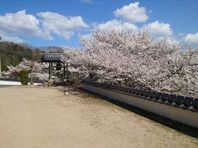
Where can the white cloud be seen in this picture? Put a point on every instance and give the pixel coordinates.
(132, 13)
(18, 26)
(85, 36)
(108, 26)
(159, 29)
(191, 39)
(116, 25)
(87, 1)
(20, 23)
(12, 38)
(54, 23)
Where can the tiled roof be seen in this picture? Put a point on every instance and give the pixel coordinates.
(183, 102)
(51, 57)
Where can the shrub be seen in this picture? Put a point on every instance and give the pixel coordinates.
(23, 75)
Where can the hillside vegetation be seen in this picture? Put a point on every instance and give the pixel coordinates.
(13, 54)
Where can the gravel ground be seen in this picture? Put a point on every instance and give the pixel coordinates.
(37, 117)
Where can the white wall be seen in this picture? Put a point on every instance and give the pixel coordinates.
(174, 113)
(14, 83)
(2, 82)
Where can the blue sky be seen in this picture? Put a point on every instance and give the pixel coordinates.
(64, 23)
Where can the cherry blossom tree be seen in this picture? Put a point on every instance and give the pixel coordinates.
(182, 73)
(34, 69)
(136, 59)
(130, 57)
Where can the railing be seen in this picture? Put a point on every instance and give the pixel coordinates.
(183, 102)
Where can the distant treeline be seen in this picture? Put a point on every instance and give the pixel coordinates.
(13, 54)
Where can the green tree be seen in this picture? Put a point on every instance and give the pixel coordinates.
(23, 75)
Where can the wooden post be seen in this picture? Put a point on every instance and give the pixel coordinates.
(64, 71)
(0, 62)
(31, 78)
(0, 67)
(50, 70)
(67, 71)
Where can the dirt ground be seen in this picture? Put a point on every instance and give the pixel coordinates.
(37, 117)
